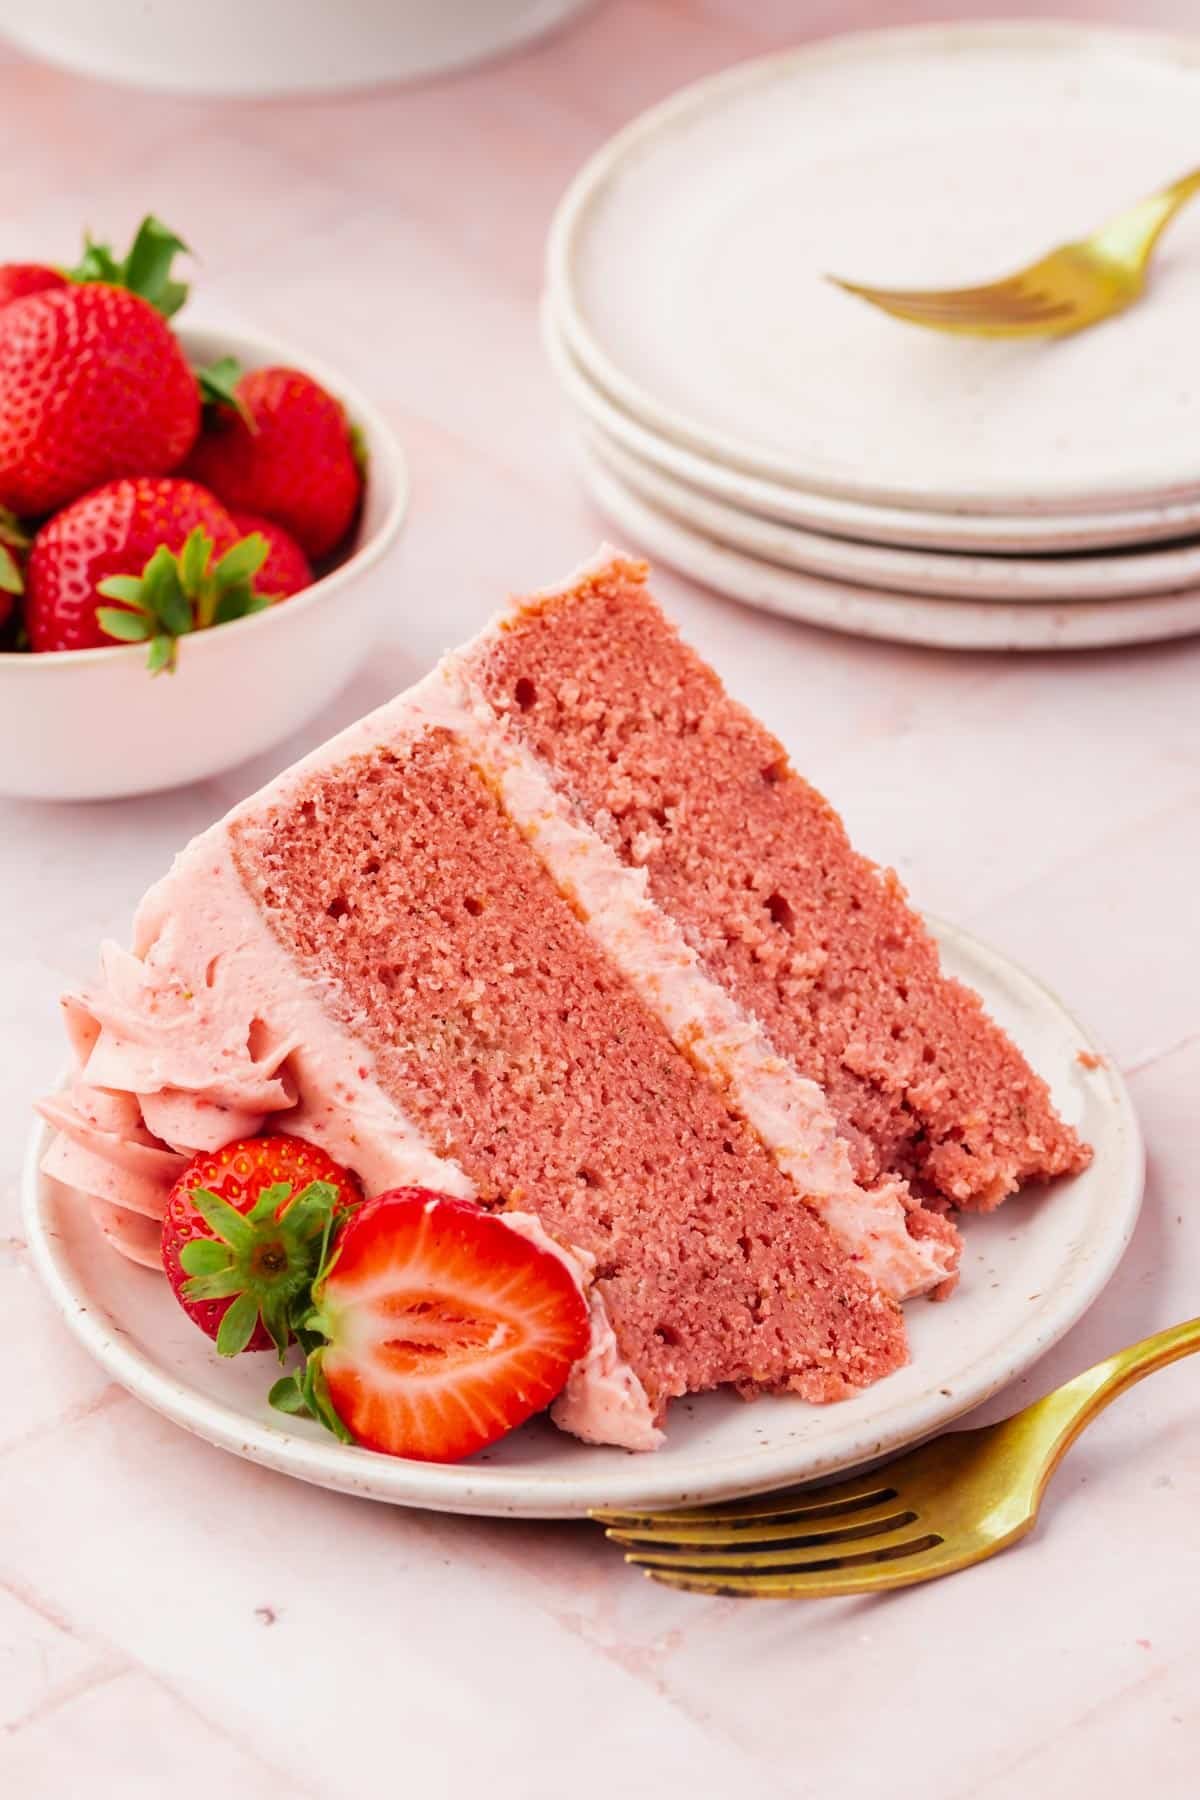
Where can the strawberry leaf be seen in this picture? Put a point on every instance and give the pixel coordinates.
(119, 622)
(224, 1221)
(124, 587)
(146, 270)
(266, 1255)
(237, 1326)
(238, 602)
(269, 1202)
(311, 1212)
(287, 1396)
(275, 1319)
(243, 560)
(272, 1314)
(221, 1284)
(204, 1257)
(317, 1397)
(307, 1395)
(358, 447)
(218, 381)
(162, 655)
(96, 264)
(193, 559)
(174, 294)
(331, 1249)
(177, 593)
(163, 595)
(11, 580)
(218, 384)
(12, 532)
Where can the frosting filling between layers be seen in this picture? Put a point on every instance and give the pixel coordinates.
(787, 1111)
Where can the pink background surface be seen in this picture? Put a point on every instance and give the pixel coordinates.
(174, 1621)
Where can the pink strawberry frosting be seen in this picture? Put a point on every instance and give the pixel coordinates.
(180, 1048)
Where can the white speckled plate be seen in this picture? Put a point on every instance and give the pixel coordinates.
(1029, 1272)
(1120, 575)
(686, 266)
(904, 618)
(1032, 534)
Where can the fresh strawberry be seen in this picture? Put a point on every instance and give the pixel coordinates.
(19, 279)
(244, 1233)
(286, 569)
(290, 454)
(440, 1329)
(92, 385)
(92, 381)
(116, 531)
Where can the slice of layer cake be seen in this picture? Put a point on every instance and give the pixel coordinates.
(560, 931)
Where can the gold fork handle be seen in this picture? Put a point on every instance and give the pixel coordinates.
(1183, 189)
(1053, 1423)
(1130, 238)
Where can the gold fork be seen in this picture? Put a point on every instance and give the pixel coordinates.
(1074, 286)
(938, 1509)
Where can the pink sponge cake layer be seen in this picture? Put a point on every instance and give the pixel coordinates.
(505, 938)
(521, 1052)
(815, 941)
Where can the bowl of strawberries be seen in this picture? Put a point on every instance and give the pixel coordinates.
(192, 526)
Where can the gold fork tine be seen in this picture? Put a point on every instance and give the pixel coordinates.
(998, 322)
(828, 1552)
(919, 1560)
(952, 319)
(1077, 284)
(803, 1528)
(968, 296)
(936, 1509)
(805, 1503)
(1013, 304)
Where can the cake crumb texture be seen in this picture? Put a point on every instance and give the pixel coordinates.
(396, 880)
(816, 941)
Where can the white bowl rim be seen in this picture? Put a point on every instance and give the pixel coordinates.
(270, 351)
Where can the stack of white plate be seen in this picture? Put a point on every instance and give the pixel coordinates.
(743, 420)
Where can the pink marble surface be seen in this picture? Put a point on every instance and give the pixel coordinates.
(173, 1621)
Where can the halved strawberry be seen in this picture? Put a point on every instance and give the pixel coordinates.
(244, 1233)
(443, 1329)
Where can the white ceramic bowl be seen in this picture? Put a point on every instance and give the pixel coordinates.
(257, 48)
(93, 724)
